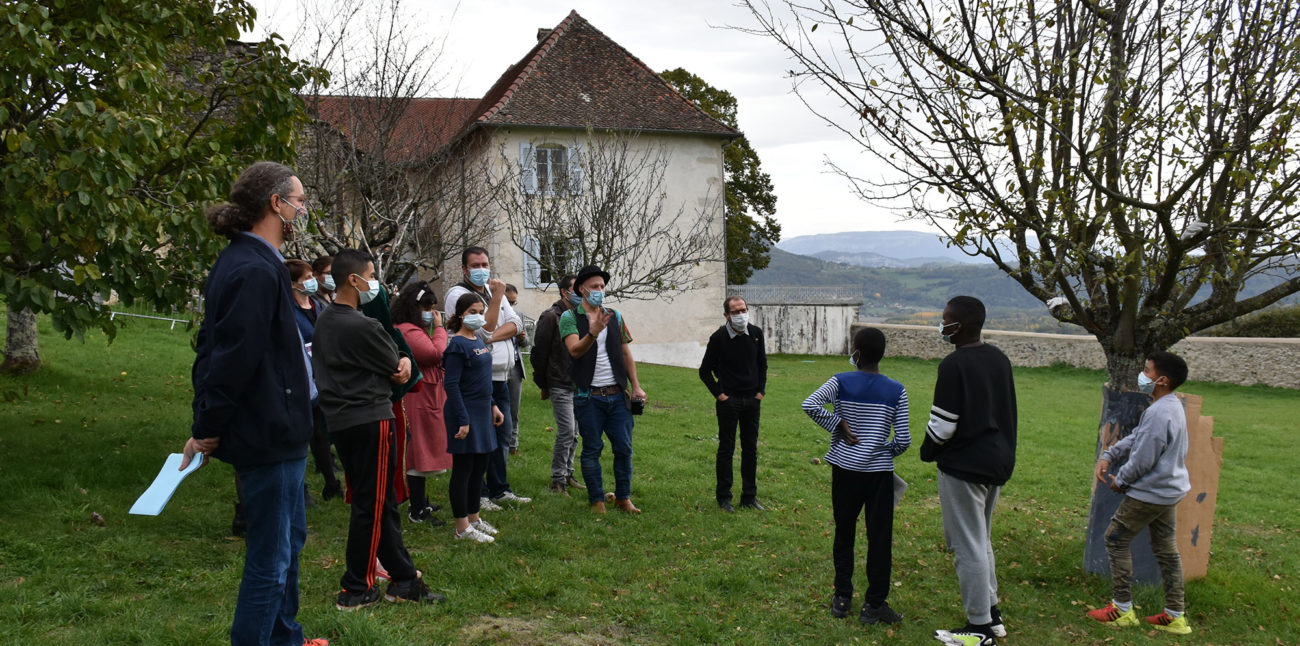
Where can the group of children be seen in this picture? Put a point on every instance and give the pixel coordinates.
(971, 435)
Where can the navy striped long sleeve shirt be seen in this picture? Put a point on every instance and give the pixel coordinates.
(875, 407)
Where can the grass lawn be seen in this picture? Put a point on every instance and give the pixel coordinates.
(88, 433)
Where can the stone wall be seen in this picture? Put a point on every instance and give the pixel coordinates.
(1272, 362)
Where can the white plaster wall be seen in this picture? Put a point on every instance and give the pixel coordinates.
(805, 329)
(671, 330)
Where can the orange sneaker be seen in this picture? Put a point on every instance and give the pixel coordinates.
(1114, 616)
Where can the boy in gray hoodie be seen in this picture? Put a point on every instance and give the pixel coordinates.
(1153, 480)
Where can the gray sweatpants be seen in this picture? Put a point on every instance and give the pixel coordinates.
(566, 434)
(968, 531)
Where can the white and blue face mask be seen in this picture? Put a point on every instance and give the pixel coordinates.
(329, 282)
(372, 290)
(596, 298)
(309, 286)
(474, 321)
(574, 299)
(479, 276)
(1146, 384)
(739, 322)
(853, 359)
(427, 317)
(947, 337)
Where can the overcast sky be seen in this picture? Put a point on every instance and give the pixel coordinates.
(481, 38)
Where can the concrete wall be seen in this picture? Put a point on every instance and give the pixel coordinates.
(1272, 362)
(805, 329)
(672, 330)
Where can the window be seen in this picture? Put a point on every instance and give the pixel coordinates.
(550, 169)
(541, 256)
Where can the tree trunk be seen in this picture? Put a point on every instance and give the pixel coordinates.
(1123, 368)
(21, 356)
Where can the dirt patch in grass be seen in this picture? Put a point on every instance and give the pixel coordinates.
(542, 632)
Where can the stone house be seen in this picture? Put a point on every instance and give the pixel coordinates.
(540, 127)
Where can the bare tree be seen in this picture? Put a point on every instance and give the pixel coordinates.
(376, 163)
(605, 202)
(1130, 163)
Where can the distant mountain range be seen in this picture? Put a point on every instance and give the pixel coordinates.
(879, 249)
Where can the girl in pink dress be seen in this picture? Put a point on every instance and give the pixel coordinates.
(416, 316)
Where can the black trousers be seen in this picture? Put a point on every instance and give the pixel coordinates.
(467, 471)
(742, 412)
(851, 492)
(320, 448)
(375, 528)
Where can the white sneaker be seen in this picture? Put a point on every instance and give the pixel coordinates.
(510, 496)
(485, 527)
(474, 535)
(487, 505)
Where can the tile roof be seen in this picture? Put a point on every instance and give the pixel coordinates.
(575, 77)
(415, 130)
(578, 77)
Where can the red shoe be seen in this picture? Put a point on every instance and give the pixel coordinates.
(1114, 616)
(316, 642)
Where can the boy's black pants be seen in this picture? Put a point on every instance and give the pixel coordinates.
(851, 492)
(375, 529)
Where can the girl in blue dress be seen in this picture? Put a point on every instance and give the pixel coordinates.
(470, 417)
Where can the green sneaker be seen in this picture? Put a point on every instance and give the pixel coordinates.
(1168, 624)
(1112, 616)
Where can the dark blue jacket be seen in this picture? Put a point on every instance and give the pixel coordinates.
(250, 380)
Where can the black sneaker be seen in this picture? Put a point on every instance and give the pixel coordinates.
(997, 628)
(840, 606)
(881, 614)
(425, 516)
(414, 591)
(349, 601)
(332, 490)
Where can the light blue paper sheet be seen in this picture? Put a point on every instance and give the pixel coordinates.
(152, 501)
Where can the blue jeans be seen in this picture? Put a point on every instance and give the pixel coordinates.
(266, 611)
(608, 414)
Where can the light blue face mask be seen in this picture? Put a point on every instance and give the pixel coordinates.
(595, 298)
(329, 282)
(474, 321)
(1146, 384)
(427, 317)
(574, 299)
(372, 291)
(309, 286)
(479, 276)
(852, 360)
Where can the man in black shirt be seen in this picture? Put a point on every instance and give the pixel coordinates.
(972, 437)
(735, 371)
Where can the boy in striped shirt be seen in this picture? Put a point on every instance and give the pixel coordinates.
(868, 408)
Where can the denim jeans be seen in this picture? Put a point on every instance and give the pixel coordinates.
(743, 412)
(496, 482)
(266, 611)
(566, 434)
(1161, 522)
(607, 414)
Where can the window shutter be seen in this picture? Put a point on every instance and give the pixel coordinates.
(532, 265)
(575, 169)
(527, 169)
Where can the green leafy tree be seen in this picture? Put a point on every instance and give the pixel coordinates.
(120, 120)
(750, 203)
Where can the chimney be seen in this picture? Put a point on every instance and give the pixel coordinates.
(542, 33)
